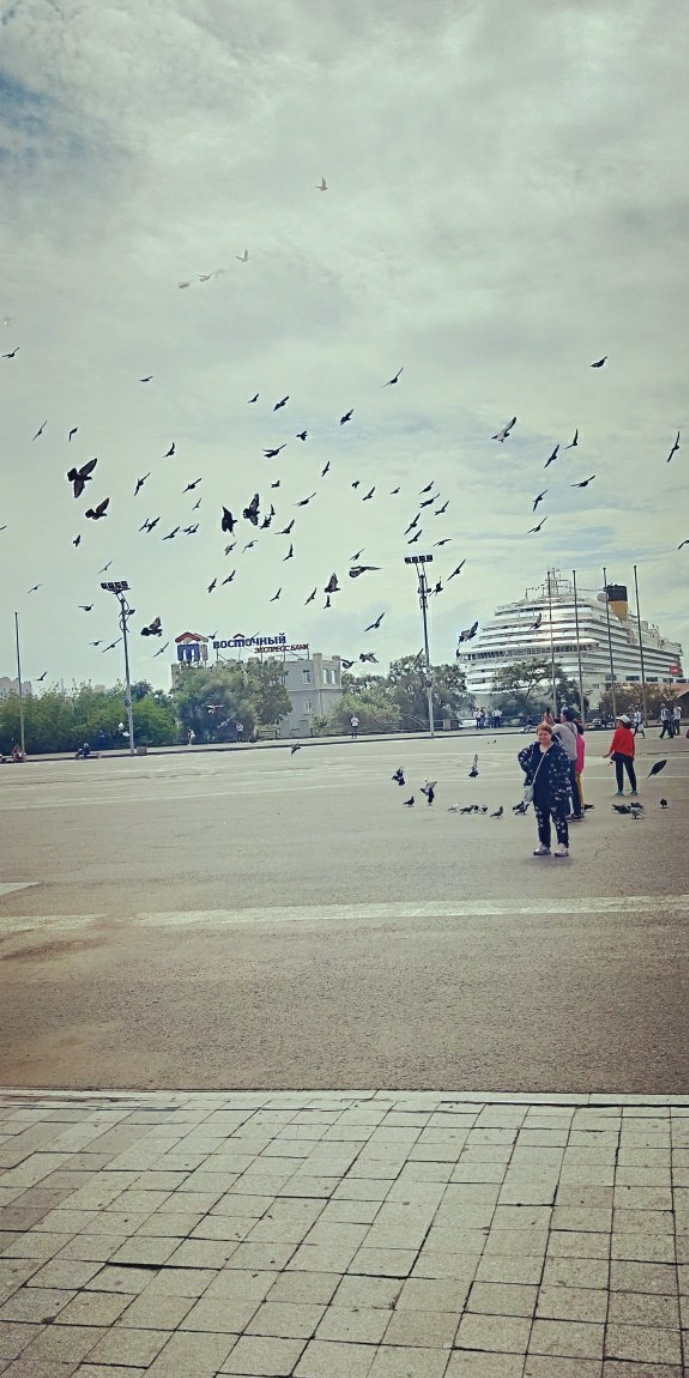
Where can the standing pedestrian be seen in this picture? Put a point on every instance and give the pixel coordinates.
(665, 721)
(191, 737)
(638, 721)
(354, 725)
(547, 774)
(621, 751)
(239, 731)
(497, 717)
(579, 769)
(677, 719)
(567, 735)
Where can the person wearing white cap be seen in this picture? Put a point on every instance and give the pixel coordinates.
(621, 750)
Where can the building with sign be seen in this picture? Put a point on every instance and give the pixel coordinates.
(313, 681)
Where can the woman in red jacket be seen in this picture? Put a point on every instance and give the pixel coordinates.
(622, 751)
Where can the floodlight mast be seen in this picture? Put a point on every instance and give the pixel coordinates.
(420, 561)
(119, 587)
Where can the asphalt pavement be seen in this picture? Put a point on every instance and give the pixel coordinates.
(259, 919)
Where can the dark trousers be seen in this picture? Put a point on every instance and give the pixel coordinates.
(667, 727)
(544, 811)
(623, 763)
(576, 799)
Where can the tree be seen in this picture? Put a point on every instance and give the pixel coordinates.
(373, 707)
(406, 681)
(265, 682)
(61, 721)
(629, 698)
(209, 702)
(525, 688)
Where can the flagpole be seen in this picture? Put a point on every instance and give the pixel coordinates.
(641, 649)
(21, 687)
(612, 666)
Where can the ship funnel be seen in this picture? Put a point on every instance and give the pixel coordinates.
(616, 595)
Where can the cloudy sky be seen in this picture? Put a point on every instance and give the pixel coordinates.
(507, 202)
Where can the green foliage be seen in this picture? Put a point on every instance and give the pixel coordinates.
(210, 701)
(397, 702)
(629, 697)
(61, 721)
(525, 688)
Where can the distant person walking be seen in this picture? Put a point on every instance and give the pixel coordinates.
(192, 737)
(665, 721)
(677, 719)
(638, 722)
(547, 773)
(566, 733)
(354, 725)
(621, 751)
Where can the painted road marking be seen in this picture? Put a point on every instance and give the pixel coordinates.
(7, 887)
(655, 905)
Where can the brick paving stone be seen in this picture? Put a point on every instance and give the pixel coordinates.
(192, 1356)
(643, 1344)
(631, 1276)
(329, 1359)
(576, 1272)
(424, 1329)
(568, 1339)
(35, 1304)
(635, 1308)
(94, 1308)
(400, 1363)
(40, 1368)
(474, 1365)
(540, 1366)
(65, 1343)
(220, 1315)
(501, 1268)
(502, 1299)
(263, 1356)
(307, 1288)
(498, 1334)
(353, 1325)
(238, 1285)
(155, 1313)
(14, 1337)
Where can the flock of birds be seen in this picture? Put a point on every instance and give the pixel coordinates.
(428, 789)
(255, 518)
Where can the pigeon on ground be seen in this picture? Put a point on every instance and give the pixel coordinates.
(498, 812)
(296, 747)
(408, 803)
(663, 803)
(474, 769)
(398, 776)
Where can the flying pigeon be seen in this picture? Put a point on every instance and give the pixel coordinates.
(347, 416)
(80, 477)
(503, 434)
(332, 585)
(538, 499)
(537, 528)
(270, 454)
(311, 598)
(154, 628)
(301, 435)
(170, 452)
(140, 483)
(375, 625)
(40, 429)
(674, 449)
(552, 457)
(322, 185)
(12, 353)
(72, 432)
(599, 362)
(656, 768)
(584, 483)
(228, 522)
(458, 570)
(253, 399)
(575, 441)
(243, 258)
(391, 381)
(468, 633)
(97, 512)
(282, 403)
(251, 512)
(212, 585)
(356, 570)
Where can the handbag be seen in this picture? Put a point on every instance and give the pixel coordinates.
(527, 797)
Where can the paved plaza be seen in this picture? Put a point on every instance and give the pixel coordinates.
(257, 919)
(343, 1235)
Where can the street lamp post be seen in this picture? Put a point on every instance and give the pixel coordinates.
(612, 663)
(119, 587)
(20, 686)
(420, 561)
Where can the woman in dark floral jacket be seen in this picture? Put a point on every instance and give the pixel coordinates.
(547, 769)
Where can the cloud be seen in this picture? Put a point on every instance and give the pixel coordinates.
(506, 204)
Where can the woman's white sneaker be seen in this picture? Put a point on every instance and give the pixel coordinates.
(542, 851)
(561, 850)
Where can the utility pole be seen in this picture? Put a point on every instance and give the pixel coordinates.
(641, 648)
(21, 687)
(420, 561)
(612, 666)
(576, 624)
(552, 645)
(119, 587)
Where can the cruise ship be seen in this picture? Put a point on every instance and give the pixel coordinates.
(544, 623)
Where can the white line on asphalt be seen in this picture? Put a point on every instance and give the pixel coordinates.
(7, 887)
(447, 909)
(351, 913)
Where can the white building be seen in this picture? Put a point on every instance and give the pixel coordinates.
(547, 621)
(11, 686)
